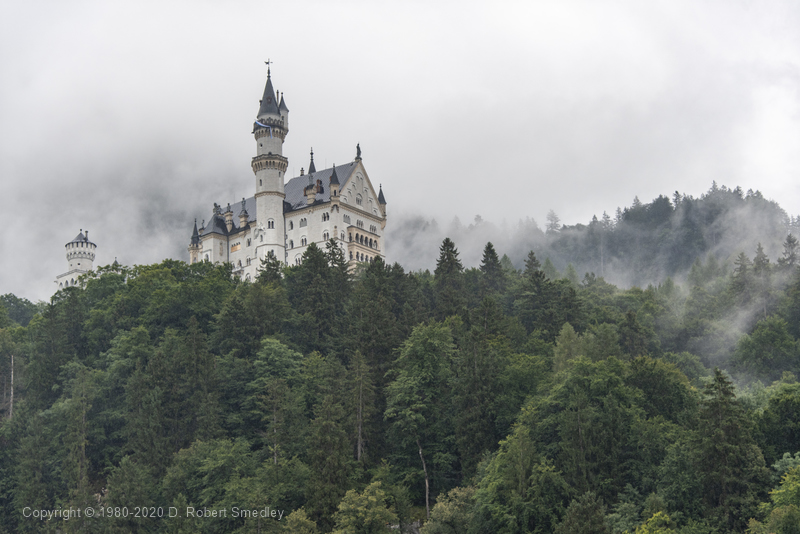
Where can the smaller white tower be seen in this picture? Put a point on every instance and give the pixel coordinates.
(80, 258)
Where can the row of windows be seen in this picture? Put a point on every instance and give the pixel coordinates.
(365, 240)
(361, 257)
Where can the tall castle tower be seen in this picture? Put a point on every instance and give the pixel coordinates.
(269, 166)
(80, 258)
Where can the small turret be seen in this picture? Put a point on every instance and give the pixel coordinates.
(310, 190)
(334, 186)
(228, 218)
(382, 200)
(243, 215)
(284, 111)
(194, 245)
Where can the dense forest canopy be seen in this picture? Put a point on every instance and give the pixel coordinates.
(511, 395)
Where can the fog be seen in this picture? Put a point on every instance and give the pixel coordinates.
(130, 120)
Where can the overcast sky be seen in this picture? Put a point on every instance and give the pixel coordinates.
(132, 118)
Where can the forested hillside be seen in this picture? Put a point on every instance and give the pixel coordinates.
(470, 400)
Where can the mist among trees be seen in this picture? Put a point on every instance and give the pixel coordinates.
(516, 391)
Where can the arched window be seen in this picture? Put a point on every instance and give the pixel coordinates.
(351, 237)
(359, 200)
(291, 225)
(303, 222)
(325, 236)
(351, 254)
(248, 242)
(270, 224)
(291, 244)
(303, 241)
(346, 218)
(297, 260)
(206, 257)
(342, 238)
(262, 238)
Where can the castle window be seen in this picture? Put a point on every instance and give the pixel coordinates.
(303, 222)
(262, 238)
(358, 200)
(291, 244)
(325, 236)
(297, 260)
(291, 225)
(351, 254)
(270, 224)
(342, 238)
(261, 182)
(303, 241)
(206, 257)
(360, 224)
(346, 218)
(248, 242)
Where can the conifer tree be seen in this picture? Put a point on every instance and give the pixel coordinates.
(448, 281)
(494, 280)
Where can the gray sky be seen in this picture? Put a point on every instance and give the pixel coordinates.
(132, 118)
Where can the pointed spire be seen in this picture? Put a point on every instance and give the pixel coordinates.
(311, 167)
(334, 178)
(282, 106)
(195, 235)
(381, 199)
(269, 104)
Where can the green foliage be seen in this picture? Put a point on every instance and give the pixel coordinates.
(364, 513)
(453, 513)
(585, 515)
(179, 385)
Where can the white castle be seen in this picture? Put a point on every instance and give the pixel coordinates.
(338, 203)
(80, 257)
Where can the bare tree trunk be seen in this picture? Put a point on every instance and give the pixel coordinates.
(11, 406)
(360, 446)
(427, 483)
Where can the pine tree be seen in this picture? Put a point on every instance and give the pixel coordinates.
(493, 280)
(729, 463)
(448, 281)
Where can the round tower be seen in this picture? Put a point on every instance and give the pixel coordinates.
(80, 259)
(269, 165)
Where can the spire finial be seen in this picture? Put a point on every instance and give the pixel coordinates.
(268, 62)
(358, 151)
(311, 167)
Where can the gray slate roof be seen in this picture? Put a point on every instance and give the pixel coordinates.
(269, 104)
(295, 197)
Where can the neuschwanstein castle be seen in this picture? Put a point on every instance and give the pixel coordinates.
(285, 217)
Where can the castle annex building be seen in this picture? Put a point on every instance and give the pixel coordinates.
(80, 257)
(285, 217)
